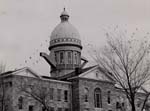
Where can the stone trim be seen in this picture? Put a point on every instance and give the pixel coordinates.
(64, 40)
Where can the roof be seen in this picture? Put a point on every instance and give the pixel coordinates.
(65, 33)
(77, 72)
(65, 30)
(16, 72)
(52, 79)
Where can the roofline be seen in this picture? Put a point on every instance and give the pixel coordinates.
(43, 79)
(97, 66)
(58, 81)
(22, 69)
(73, 73)
(94, 67)
(32, 71)
(76, 77)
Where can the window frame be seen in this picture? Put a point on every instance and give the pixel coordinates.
(62, 57)
(109, 97)
(51, 93)
(59, 94)
(20, 102)
(97, 98)
(30, 108)
(69, 57)
(66, 95)
(75, 57)
(86, 94)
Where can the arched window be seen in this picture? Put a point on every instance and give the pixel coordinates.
(20, 102)
(97, 98)
(86, 93)
(61, 57)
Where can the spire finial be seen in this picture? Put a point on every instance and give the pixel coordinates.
(64, 15)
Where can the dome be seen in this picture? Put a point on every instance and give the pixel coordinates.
(65, 32)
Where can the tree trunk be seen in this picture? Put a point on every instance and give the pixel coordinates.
(133, 106)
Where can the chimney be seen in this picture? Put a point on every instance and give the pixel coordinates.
(78, 70)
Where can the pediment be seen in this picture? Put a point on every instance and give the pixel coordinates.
(26, 72)
(96, 74)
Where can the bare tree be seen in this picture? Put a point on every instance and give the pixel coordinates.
(127, 61)
(38, 92)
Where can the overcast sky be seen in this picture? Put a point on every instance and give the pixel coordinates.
(26, 25)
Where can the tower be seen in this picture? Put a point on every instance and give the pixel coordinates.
(65, 48)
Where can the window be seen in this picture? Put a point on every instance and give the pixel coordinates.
(75, 58)
(66, 109)
(97, 98)
(7, 84)
(30, 107)
(56, 58)
(51, 93)
(20, 102)
(118, 106)
(59, 94)
(59, 109)
(61, 57)
(43, 109)
(138, 103)
(6, 107)
(108, 97)
(51, 108)
(86, 91)
(66, 96)
(10, 84)
(69, 57)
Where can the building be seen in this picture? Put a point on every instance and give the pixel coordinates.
(71, 87)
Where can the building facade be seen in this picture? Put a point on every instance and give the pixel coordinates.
(71, 87)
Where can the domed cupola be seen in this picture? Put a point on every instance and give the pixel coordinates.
(65, 48)
(65, 33)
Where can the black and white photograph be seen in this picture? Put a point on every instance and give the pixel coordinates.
(74, 55)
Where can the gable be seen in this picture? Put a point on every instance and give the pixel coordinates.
(96, 74)
(26, 72)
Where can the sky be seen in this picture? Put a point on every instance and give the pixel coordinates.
(26, 26)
